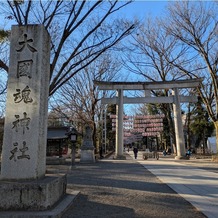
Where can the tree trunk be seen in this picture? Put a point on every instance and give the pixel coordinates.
(173, 137)
(216, 127)
(188, 127)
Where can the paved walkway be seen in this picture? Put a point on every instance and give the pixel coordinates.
(123, 188)
(196, 180)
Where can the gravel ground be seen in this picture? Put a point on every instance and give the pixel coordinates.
(123, 189)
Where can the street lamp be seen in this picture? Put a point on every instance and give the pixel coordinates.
(72, 134)
(73, 137)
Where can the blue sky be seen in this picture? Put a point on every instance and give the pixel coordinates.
(143, 9)
(138, 8)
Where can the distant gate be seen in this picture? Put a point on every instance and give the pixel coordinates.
(175, 99)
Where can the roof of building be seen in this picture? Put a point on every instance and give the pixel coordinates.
(57, 132)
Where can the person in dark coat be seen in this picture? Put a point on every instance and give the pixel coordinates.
(135, 150)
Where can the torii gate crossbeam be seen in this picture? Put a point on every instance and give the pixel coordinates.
(180, 84)
(142, 100)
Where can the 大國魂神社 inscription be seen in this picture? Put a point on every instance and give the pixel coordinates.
(26, 43)
(27, 105)
(23, 123)
(14, 152)
(24, 68)
(23, 95)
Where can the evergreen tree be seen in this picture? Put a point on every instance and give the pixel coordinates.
(3, 35)
(201, 126)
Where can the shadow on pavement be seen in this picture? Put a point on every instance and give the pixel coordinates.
(85, 207)
(113, 188)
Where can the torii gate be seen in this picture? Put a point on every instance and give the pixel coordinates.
(176, 99)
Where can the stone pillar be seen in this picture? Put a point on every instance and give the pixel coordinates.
(25, 131)
(87, 149)
(119, 126)
(180, 142)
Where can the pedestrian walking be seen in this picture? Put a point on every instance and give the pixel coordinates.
(135, 150)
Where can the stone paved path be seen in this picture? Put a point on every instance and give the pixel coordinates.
(123, 189)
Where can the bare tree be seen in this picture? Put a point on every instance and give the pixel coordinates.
(195, 25)
(80, 31)
(79, 100)
(4, 41)
(150, 45)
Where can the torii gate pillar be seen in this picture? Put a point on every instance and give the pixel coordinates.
(119, 126)
(180, 142)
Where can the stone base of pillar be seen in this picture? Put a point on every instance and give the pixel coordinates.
(32, 195)
(87, 155)
(119, 157)
(182, 157)
(58, 210)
